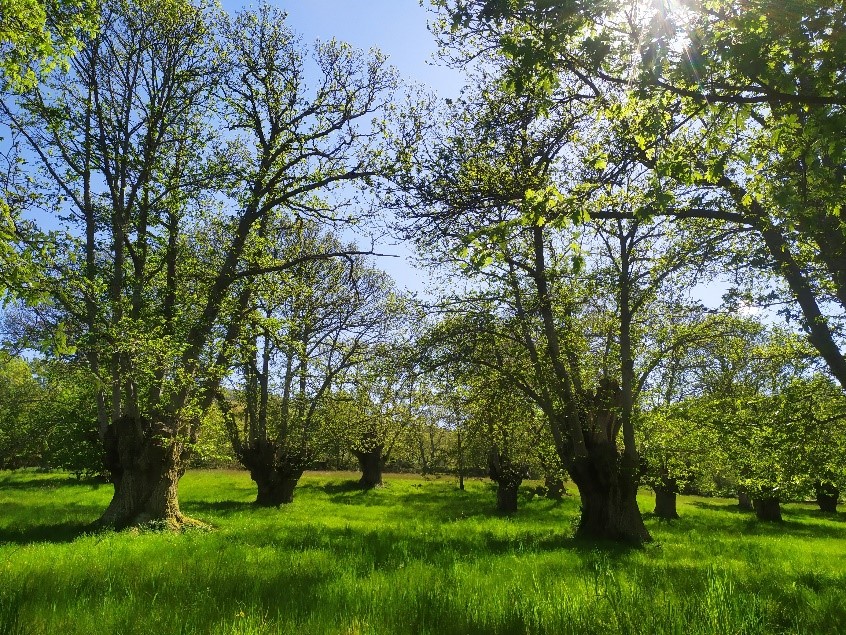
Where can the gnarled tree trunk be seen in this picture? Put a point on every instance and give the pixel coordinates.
(767, 508)
(665, 499)
(607, 485)
(275, 471)
(827, 496)
(145, 463)
(371, 463)
(554, 487)
(507, 477)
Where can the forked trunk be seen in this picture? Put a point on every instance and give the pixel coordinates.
(665, 499)
(371, 464)
(554, 487)
(275, 472)
(744, 501)
(608, 490)
(767, 509)
(145, 465)
(827, 496)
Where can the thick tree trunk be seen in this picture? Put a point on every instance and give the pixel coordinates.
(665, 500)
(274, 493)
(145, 467)
(554, 487)
(371, 464)
(767, 509)
(276, 473)
(744, 501)
(608, 489)
(506, 497)
(507, 477)
(827, 496)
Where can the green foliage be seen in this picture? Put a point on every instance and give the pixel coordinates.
(720, 109)
(21, 431)
(48, 417)
(36, 36)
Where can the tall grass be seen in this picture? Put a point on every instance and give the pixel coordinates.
(414, 557)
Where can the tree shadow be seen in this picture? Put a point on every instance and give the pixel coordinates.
(793, 523)
(337, 487)
(15, 482)
(218, 508)
(717, 507)
(55, 533)
(816, 514)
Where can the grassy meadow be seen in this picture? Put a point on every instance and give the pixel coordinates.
(417, 556)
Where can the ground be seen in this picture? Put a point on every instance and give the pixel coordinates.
(417, 556)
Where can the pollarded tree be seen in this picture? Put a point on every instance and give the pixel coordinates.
(677, 453)
(167, 214)
(309, 328)
(374, 406)
(486, 197)
(510, 427)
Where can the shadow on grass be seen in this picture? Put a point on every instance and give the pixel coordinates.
(48, 481)
(723, 508)
(815, 514)
(56, 533)
(795, 522)
(338, 487)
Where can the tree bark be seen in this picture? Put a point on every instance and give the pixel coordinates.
(665, 500)
(507, 477)
(767, 509)
(371, 464)
(274, 471)
(608, 490)
(554, 487)
(276, 492)
(506, 496)
(827, 496)
(145, 464)
(744, 501)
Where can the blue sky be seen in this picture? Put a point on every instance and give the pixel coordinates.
(399, 29)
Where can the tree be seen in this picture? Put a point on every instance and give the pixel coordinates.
(168, 217)
(489, 191)
(734, 109)
(377, 398)
(814, 409)
(509, 427)
(678, 452)
(21, 397)
(308, 329)
(745, 379)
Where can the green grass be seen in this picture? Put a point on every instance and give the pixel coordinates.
(414, 557)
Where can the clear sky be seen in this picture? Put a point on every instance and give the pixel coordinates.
(397, 27)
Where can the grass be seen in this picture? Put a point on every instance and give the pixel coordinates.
(415, 557)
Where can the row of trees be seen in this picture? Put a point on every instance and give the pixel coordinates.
(733, 410)
(172, 204)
